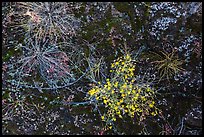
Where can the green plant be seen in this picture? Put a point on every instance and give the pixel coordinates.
(45, 19)
(122, 95)
(96, 68)
(14, 103)
(168, 64)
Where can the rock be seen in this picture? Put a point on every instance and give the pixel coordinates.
(193, 132)
(194, 117)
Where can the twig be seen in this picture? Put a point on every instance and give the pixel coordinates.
(181, 126)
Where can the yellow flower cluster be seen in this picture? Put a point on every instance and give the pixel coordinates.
(123, 95)
(93, 91)
(123, 67)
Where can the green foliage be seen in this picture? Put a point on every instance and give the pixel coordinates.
(46, 19)
(122, 95)
(96, 68)
(168, 64)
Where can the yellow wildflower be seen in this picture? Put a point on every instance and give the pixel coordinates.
(124, 85)
(118, 112)
(131, 69)
(112, 65)
(114, 119)
(137, 109)
(116, 63)
(116, 84)
(118, 103)
(132, 114)
(102, 117)
(137, 95)
(143, 98)
(131, 74)
(133, 108)
(122, 90)
(128, 57)
(93, 91)
(153, 114)
(105, 101)
(132, 80)
(151, 105)
(135, 98)
(148, 89)
(122, 70)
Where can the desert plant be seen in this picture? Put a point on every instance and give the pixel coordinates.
(168, 64)
(121, 94)
(13, 103)
(52, 19)
(43, 62)
(96, 68)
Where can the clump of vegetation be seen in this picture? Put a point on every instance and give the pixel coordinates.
(52, 19)
(168, 64)
(49, 61)
(121, 94)
(13, 104)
